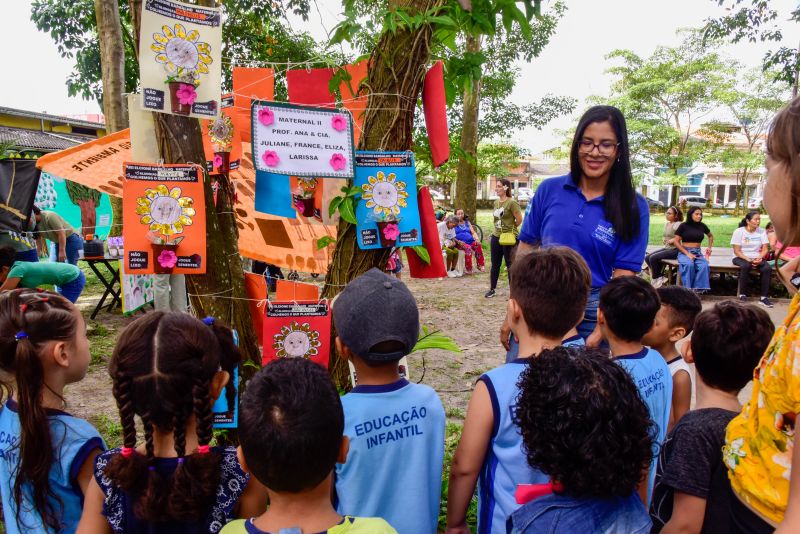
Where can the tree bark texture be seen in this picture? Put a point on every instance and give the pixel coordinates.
(112, 61)
(467, 172)
(220, 292)
(397, 69)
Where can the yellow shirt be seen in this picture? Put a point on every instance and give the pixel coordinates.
(759, 441)
(349, 525)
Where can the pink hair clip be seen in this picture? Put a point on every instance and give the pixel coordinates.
(203, 449)
(23, 307)
(127, 452)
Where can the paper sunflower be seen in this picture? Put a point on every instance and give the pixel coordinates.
(385, 194)
(177, 49)
(296, 341)
(166, 211)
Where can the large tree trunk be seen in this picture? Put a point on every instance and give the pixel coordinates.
(112, 61)
(220, 292)
(396, 72)
(467, 178)
(88, 209)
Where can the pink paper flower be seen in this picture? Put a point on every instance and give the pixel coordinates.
(217, 161)
(266, 116)
(186, 94)
(270, 158)
(338, 162)
(167, 259)
(391, 231)
(338, 123)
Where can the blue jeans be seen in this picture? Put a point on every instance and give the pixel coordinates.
(74, 246)
(72, 290)
(694, 274)
(585, 327)
(27, 255)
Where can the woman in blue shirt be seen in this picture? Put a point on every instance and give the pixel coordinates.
(468, 241)
(594, 210)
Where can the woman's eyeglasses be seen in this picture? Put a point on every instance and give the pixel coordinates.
(605, 148)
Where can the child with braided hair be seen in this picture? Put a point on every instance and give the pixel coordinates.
(168, 368)
(46, 455)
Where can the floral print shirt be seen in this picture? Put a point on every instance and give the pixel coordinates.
(759, 441)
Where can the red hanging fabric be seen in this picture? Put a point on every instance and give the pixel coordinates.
(430, 239)
(357, 105)
(434, 104)
(249, 84)
(310, 87)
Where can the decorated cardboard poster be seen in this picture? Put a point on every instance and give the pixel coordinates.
(221, 140)
(164, 219)
(224, 418)
(297, 330)
(224, 415)
(302, 140)
(387, 213)
(87, 210)
(179, 58)
(137, 291)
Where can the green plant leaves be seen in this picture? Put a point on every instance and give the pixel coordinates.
(422, 252)
(435, 340)
(324, 241)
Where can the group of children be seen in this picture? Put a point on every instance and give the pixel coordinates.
(563, 439)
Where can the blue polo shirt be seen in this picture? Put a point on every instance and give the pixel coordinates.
(561, 216)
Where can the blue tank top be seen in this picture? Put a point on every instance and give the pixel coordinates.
(73, 441)
(464, 233)
(506, 464)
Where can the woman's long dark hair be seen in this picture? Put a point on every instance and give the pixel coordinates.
(162, 367)
(619, 202)
(678, 213)
(44, 317)
(690, 216)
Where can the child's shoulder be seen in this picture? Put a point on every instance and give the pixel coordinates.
(362, 525)
(403, 392)
(708, 421)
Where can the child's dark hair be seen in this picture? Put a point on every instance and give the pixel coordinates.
(583, 422)
(291, 425)
(629, 305)
(29, 319)
(7, 256)
(728, 342)
(551, 285)
(684, 305)
(162, 367)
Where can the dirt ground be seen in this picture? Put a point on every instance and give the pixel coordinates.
(454, 306)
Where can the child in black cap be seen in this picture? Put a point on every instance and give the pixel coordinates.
(396, 429)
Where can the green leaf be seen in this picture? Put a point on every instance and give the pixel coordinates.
(347, 210)
(435, 340)
(422, 252)
(353, 191)
(442, 21)
(334, 205)
(324, 241)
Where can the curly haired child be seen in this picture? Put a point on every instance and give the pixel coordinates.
(167, 368)
(46, 455)
(585, 426)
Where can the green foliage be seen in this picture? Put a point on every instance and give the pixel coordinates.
(78, 192)
(324, 241)
(451, 439)
(662, 96)
(254, 31)
(110, 429)
(346, 204)
(754, 21)
(435, 340)
(422, 253)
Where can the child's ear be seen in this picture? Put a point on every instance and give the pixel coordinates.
(343, 350)
(676, 334)
(58, 353)
(513, 311)
(218, 383)
(686, 352)
(242, 461)
(601, 317)
(344, 448)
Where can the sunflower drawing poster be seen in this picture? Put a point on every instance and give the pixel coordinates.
(297, 330)
(164, 219)
(387, 213)
(179, 58)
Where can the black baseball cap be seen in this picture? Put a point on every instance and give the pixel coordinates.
(375, 308)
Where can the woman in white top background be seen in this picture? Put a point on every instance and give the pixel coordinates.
(750, 249)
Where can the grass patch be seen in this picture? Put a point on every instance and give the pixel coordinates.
(452, 436)
(101, 342)
(455, 413)
(110, 429)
